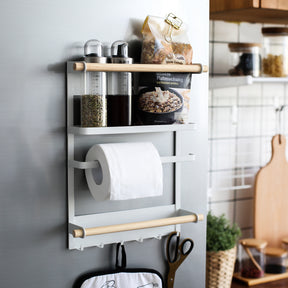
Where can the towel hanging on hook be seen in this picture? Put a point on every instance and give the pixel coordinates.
(121, 277)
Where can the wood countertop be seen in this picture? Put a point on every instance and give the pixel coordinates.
(275, 284)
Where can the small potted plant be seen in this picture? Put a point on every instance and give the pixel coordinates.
(221, 243)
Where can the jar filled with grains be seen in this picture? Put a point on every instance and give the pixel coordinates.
(252, 258)
(275, 51)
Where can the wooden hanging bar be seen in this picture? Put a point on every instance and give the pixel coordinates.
(78, 233)
(112, 67)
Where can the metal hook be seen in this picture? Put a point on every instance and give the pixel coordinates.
(158, 237)
(279, 122)
(101, 245)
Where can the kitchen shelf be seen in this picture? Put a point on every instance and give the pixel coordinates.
(77, 130)
(255, 11)
(111, 67)
(155, 220)
(235, 81)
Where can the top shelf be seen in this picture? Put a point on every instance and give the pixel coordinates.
(235, 81)
(256, 11)
(111, 67)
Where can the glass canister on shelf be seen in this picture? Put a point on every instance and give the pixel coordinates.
(245, 59)
(93, 101)
(119, 99)
(252, 258)
(275, 51)
(275, 260)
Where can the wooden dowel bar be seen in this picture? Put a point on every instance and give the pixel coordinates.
(78, 233)
(111, 67)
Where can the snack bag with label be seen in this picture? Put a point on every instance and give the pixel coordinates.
(163, 97)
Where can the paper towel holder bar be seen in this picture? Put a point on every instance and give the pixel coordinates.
(166, 159)
(181, 219)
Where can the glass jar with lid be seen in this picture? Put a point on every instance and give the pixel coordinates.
(93, 101)
(275, 260)
(275, 51)
(245, 59)
(252, 258)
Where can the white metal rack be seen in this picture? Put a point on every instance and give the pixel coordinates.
(133, 224)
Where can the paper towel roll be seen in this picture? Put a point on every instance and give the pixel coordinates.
(125, 171)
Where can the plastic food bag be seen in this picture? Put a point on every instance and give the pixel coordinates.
(163, 98)
(165, 41)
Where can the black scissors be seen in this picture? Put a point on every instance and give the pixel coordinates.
(182, 250)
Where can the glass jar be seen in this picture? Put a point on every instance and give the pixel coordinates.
(245, 59)
(119, 98)
(275, 51)
(252, 258)
(275, 260)
(93, 101)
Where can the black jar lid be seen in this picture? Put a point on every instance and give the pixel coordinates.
(275, 31)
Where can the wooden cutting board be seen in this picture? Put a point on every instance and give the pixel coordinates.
(271, 196)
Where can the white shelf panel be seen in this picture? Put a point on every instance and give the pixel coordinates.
(236, 81)
(77, 130)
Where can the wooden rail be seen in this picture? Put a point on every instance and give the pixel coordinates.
(110, 67)
(78, 233)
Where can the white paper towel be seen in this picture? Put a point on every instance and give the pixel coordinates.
(126, 171)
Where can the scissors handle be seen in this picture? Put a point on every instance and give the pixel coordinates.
(183, 248)
(168, 247)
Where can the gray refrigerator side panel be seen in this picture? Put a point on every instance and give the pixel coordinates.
(37, 38)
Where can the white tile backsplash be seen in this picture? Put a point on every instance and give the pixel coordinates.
(250, 32)
(238, 150)
(225, 31)
(221, 63)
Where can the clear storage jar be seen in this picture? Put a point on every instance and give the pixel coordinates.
(93, 101)
(275, 260)
(245, 59)
(275, 51)
(252, 258)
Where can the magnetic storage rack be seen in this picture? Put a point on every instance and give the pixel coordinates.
(98, 229)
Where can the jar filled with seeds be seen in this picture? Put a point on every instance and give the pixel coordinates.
(252, 258)
(275, 51)
(93, 101)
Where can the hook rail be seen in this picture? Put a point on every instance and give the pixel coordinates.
(112, 67)
(81, 233)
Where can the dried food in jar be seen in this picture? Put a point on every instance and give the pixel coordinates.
(159, 101)
(93, 111)
(273, 66)
(245, 59)
(246, 65)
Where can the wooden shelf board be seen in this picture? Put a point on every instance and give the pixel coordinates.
(253, 15)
